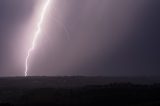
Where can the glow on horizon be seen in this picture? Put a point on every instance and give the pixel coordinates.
(37, 34)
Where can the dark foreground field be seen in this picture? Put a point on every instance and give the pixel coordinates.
(79, 91)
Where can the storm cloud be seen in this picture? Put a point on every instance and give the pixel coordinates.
(82, 37)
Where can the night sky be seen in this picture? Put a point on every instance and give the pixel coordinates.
(81, 37)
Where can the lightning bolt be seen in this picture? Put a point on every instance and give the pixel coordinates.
(37, 34)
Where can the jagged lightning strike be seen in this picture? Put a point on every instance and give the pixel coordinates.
(44, 10)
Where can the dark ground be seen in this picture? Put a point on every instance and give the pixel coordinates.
(79, 91)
